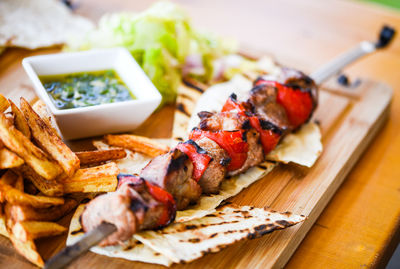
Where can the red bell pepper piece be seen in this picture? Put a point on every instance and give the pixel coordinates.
(297, 103)
(161, 195)
(269, 139)
(232, 105)
(197, 155)
(231, 141)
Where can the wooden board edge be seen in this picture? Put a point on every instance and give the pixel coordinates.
(304, 228)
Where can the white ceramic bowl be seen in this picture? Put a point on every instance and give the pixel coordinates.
(100, 119)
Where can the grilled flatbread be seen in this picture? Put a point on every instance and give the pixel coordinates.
(187, 241)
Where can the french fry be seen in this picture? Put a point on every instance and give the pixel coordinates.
(19, 183)
(9, 159)
(25, 248)
(101, 178)
(24, 148)
(24, 213)
(15, 196)
(28, 250)
(19, 120)
(3, 228)
(47, 187)
(137, 143)
(98, 156)
(3, 103)
(41, 109)
(49, 140)
(7, 178)
(31, 230)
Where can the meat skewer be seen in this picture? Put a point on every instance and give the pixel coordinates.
(242, 133)
(224, 143)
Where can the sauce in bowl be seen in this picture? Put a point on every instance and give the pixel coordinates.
(86, 89)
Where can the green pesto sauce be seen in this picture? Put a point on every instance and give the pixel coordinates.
(86, 89)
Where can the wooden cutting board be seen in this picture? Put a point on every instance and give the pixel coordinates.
(349, 119)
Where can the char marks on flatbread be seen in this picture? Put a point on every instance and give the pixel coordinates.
(187, 241)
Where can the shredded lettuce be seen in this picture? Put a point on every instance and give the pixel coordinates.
(162, 40)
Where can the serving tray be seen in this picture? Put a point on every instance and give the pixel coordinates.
(349, 119)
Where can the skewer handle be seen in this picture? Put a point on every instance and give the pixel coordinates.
(366, 47)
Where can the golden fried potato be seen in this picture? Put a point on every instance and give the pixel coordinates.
(19, 183)
(25, 248)
(9, 178)
(31, 230)
(24, 148)
(3, 228)
(9, 159)
(101, 178)
(42, 110)
(25, 213)
(15, 196)
(98, 156)
(137, 143)
(3, 103)
(47, 187)
(28, 250)
(49, 140)
(19, 120)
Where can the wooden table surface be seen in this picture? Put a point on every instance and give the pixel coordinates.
(360, 226)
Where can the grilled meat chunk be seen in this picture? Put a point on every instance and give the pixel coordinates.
(223, 121)
(216, 170)
(115, 208)
(153, 208)
(262, 99)
(173, 172)
(255, 154)
(131, 208)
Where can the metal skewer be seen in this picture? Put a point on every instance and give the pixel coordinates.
(92, 238)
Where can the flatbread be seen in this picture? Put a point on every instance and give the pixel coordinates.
(39, 23)
(187, 241)
(303, 147)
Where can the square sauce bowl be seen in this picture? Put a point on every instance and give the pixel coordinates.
(100, 119)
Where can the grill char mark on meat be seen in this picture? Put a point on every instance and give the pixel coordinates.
(216, 170)
(173, 172)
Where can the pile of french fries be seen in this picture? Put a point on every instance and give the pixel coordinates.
(41, 178)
